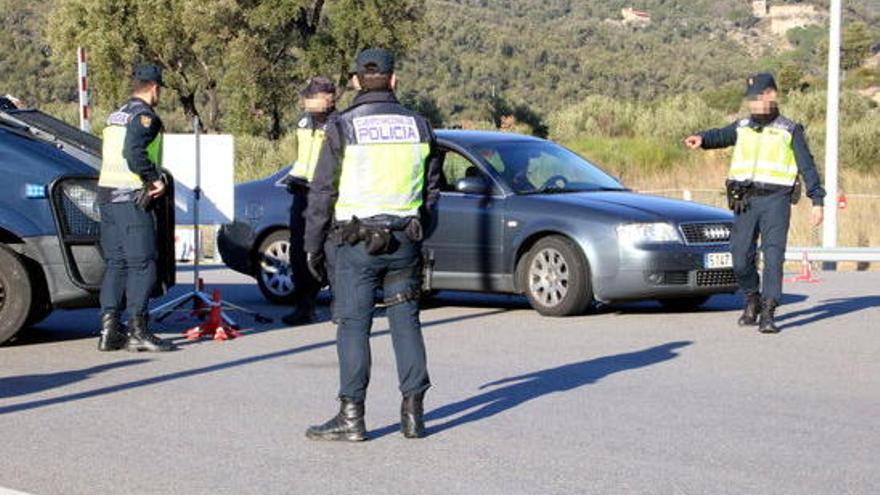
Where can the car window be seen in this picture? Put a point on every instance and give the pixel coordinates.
(456, 167)
(542, 166)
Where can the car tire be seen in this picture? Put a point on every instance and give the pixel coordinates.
(555, 277)
(272, 266)
(688, 303)
(15, 294)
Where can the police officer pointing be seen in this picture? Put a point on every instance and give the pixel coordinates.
(130, 179)
(770, 152)
(319, 100)
(376, 182)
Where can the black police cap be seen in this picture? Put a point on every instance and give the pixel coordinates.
(318, 85)
(148, 72)
(376, 60)
(758, 83)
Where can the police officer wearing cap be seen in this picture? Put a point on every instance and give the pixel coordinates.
(376, 182)
(770, 152)
(130, 180)
(319, 102)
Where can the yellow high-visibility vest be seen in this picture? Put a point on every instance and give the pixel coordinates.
(308, 149)
(767, 156)
(383, 173)
(114, 167)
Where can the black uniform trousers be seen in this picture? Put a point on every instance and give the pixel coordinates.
(397, 273)
(767, 219)
(128, 244)
(306, 288)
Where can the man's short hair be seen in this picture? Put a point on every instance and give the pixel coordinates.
(139, 86)
(373, 80)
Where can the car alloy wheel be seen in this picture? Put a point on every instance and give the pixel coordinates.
(555, 276)
(549, 277)
(275, 268)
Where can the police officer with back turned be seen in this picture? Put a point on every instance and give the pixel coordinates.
(319, 101)
(376, 182)
(130, 179)
(770, 151)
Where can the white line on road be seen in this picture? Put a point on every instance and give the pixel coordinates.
(9, 491)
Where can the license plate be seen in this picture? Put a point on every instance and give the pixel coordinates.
(718, 260)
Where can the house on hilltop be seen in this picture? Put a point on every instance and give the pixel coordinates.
(759, 8)
(635, 16)
(786, 17)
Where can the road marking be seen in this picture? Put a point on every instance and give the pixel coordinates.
(9, 491)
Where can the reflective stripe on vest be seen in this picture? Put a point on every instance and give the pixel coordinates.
(114, 167)
(382, 179)
(766, 157)
(308, 149)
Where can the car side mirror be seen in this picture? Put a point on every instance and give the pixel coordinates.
(473, 185)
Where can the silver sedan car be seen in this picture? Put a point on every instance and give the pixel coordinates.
(524, 215)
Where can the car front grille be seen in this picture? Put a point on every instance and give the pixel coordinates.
(715, 278)
(707, 233)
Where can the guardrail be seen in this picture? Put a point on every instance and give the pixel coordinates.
(833, 254)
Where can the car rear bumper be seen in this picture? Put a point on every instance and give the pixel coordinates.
(666, 271)
(235, 241)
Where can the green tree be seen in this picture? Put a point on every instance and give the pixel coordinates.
(791, 77)
(26, 71)
(856, 45)
(186, 37)
(242, 60)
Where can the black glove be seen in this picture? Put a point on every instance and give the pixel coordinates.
(316, 263)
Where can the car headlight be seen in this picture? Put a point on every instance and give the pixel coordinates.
(638, 233)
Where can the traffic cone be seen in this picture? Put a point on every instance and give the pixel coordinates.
(806, 275)
(214, 327)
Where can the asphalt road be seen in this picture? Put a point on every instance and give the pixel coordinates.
(628, 400)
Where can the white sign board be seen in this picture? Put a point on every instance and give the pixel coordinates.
(217, 205)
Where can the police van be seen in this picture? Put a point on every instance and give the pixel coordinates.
(50, 254)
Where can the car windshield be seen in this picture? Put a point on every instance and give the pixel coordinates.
(544, 167)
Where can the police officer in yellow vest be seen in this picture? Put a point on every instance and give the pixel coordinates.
(130, 179)
(770, 152)
(319, 102)
(376, 183)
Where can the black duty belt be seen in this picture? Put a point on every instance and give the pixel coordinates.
(761, 189)
(376, 232)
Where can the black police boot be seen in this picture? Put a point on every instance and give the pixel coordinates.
(140, 339)
(768, 325)
(412, 425)
(304, 314)
(750, 314)
(347, 426)
(112, 338)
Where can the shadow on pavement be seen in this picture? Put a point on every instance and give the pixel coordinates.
(15, 386)
(827, 309)
(718, 303)
(78, 375)
(518, 390)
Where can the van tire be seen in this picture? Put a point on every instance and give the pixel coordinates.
(15, 294)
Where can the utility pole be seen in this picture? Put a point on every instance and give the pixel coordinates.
(832, 133)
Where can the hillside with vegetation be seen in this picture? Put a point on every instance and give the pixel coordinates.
(622, 92)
